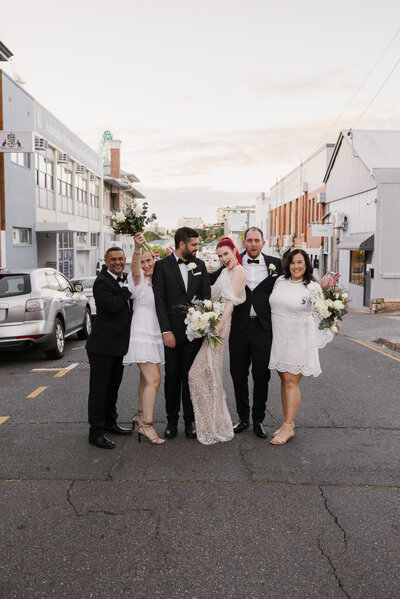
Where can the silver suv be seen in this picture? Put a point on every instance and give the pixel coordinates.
(40, 308)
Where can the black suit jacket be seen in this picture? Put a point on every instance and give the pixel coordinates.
(170, 294)
(111, 327)
(259, 297)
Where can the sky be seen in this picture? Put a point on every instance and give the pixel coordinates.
(213, 100)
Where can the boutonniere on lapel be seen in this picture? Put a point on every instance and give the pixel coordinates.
(272, 269)
(191, 267)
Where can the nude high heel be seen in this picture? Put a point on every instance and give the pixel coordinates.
(137, 419)
(154, 440)
(286, 434)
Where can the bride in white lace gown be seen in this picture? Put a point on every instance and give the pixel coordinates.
(213, 422)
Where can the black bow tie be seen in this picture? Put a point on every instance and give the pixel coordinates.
(120, 280)
(180, 261)
(253, 261)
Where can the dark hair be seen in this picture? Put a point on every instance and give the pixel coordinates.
(253, 229)
(113, 249)
(227, 242)
(308, 275)
(184, 234)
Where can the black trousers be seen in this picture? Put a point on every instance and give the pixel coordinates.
(105, 378)
(178, 361)
(250, 346)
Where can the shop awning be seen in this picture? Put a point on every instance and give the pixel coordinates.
(60, 227)
(357, 241)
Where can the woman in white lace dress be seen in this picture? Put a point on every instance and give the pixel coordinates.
(213, 422)
(146, 346)
(296, 337)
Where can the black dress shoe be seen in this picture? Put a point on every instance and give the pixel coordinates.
(118, 430)
(190, 430)
(240, 426)
(171, 431)
(102, 442)
(259, 430)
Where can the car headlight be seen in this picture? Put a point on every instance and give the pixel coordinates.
(34, 305)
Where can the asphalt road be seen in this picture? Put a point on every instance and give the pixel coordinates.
(318, 518)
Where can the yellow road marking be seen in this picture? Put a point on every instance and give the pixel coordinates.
(60, 371)
(3, 419)
(36, 392)
(370, 347)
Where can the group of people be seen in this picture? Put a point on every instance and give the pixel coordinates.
(268, 321)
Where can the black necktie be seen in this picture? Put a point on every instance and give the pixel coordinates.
(180, 261)
(120, 280)
(253, 261)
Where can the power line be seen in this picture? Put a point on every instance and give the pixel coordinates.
(379, 90)
(361, 85)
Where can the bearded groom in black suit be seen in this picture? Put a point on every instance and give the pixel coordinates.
(176, 280)
(106, 346)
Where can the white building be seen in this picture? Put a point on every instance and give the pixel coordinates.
(194, 222)
(263, 207)
(363, 204)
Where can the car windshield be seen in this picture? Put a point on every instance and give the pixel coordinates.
(11, 285)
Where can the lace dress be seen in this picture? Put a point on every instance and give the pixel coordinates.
(213, 422)
(146, 343)
(296, 337)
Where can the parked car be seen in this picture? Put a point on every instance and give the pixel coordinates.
(39, 308)
(87, 283)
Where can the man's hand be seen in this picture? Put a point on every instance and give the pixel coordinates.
(169, 340)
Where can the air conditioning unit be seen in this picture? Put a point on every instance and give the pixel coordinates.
(63, 158)
(288, 240)
(321, 198)
(80, 169)
(93, 177)
(340, 220)
(41, 143)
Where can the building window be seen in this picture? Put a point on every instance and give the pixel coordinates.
(22, 236)
(95, 239)
(357, 267)
(94, 191)
(44, 179)
(21, 158)
(66, 254)
(81, 194)
(64, 186)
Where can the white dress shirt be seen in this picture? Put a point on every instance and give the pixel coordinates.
(184, 271)
(255, 274)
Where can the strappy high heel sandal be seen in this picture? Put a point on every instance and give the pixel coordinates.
(146, 426)
(279, 430)
(280, 439)
(137, 418)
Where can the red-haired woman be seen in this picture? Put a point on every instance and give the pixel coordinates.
(213, 422)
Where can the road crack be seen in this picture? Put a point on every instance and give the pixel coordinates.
(242, 453)
(334, 570)
(335, 518)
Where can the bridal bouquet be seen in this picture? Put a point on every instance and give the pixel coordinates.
(331, 306)
(201, 319)
(132, 220)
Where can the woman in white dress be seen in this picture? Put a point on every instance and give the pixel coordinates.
(295, 335)
(213, 422)
(146, 347)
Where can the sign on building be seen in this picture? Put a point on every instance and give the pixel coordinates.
(321, 230)
(16, 141)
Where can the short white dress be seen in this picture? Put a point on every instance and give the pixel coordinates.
(296, 337)
(146, 342)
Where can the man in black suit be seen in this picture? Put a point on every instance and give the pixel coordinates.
(176, 280)
(106, 346)
(251, 332)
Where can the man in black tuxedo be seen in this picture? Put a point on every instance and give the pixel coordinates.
(176, 280)
(251, 332)
(106, 346)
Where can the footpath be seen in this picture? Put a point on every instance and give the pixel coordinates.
(380, 330)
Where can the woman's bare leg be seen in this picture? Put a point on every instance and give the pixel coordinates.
(150, 378)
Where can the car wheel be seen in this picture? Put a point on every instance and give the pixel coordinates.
(87, 326)
(59, 341)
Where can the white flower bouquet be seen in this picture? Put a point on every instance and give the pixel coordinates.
(132, 220)
(331, 306)
(201, 318)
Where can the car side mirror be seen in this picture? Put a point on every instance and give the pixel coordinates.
(78, 287)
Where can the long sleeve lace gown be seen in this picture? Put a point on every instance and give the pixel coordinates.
(213, 421)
